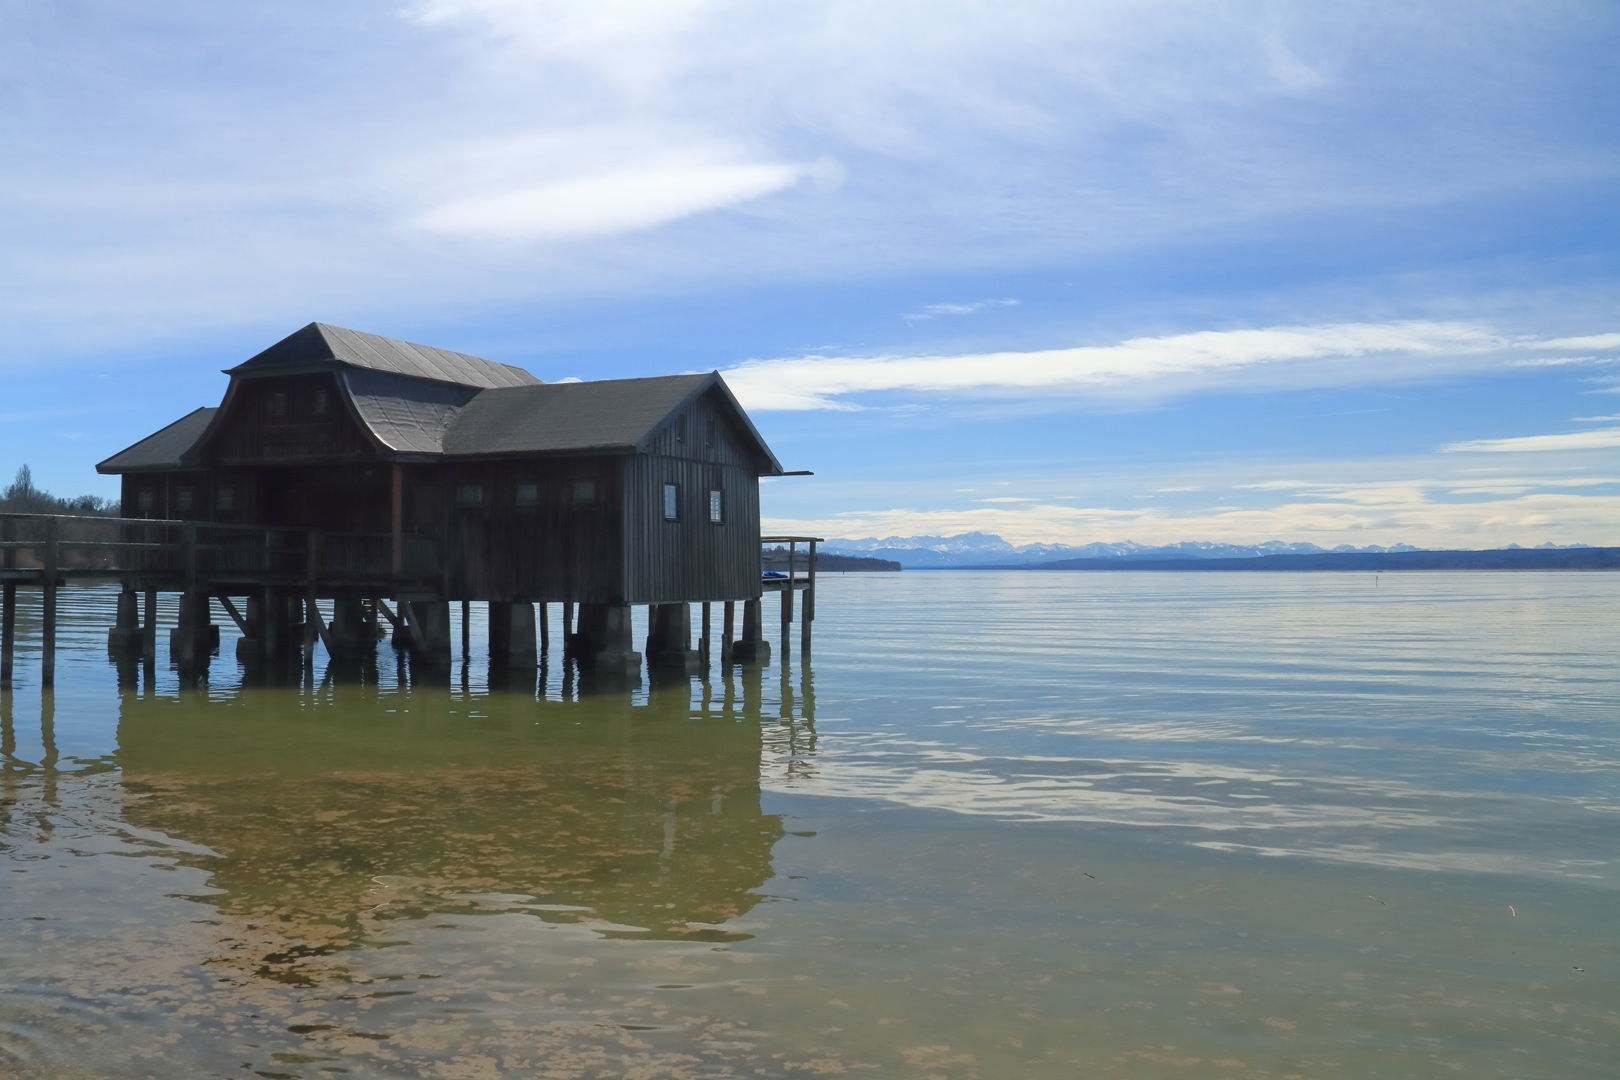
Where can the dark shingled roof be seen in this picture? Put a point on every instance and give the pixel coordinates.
(162, 449)
(407, 415)
(606, 415)
(320, 345)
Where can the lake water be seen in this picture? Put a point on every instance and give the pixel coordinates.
(1006, 825)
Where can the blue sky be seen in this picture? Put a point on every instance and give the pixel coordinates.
(1060, 271)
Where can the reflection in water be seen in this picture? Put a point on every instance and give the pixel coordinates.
(335, 820)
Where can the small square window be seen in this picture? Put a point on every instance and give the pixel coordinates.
(584, 492)
(225, 499)
(672, 502)
(318, 406)
(183, 499)
(717, 506)
(527, 493)
(472, 494)
(276, 404)
(143, 501)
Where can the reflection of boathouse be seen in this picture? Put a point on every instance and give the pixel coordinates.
(356, 468)
(323, 831)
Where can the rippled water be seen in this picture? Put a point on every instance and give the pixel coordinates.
(1006, 825)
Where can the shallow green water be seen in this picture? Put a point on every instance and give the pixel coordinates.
(1007, 825)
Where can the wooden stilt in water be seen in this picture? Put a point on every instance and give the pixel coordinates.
(47, 654)
(545, 630)
(703, 641)
(8, 632)
(807, 610)
(466, 631)
(728, 631)
(568, 627)
(8, 613)
(149, 626)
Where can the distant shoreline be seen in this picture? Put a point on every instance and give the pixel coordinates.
(1607, 558)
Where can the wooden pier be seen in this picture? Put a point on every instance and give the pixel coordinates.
(268, 580)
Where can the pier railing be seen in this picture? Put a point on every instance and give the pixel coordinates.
(74, 546)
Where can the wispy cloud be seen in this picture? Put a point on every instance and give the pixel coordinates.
(605, 204)
(1339, 353)
(1601, 439)
(930, 310)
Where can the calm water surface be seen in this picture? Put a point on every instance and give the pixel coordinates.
(1009, 825)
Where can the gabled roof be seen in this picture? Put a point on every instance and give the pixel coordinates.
(162, 449)
(321, 346)
(603, 416)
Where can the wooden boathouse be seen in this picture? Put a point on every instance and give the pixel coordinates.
(363, 470)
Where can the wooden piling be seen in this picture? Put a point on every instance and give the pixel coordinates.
(807, 609)
(545, 630)
(8, 631)
(8, 607)
(787, 601)
(728, 630)
(149, 627)
(466, 631)
(47, 655)
(703, 639)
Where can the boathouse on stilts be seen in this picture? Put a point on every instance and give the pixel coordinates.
(395, 480)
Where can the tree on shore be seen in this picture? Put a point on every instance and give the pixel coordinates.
(22, 497)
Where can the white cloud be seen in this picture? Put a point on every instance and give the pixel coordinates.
(1602, 439)
(930, 310)
(1300, 355)
(609, 203)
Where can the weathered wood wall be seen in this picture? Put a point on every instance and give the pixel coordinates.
(692, 558)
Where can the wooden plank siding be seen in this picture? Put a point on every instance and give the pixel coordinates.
(691, 559)
(557, 549)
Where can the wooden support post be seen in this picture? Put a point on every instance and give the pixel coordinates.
(124, 637)
(752, 648)
(703, 639)
(8, 631)
(236, 616)
(47, 654)
(545, 631)
(397, 520)
(807, 611)
(382, 608)
(787, 602)
(728, 630)
(466, 631)
(568, 627)
(149, 627)
(312, 615)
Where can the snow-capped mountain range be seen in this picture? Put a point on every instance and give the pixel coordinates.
(987, 549)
